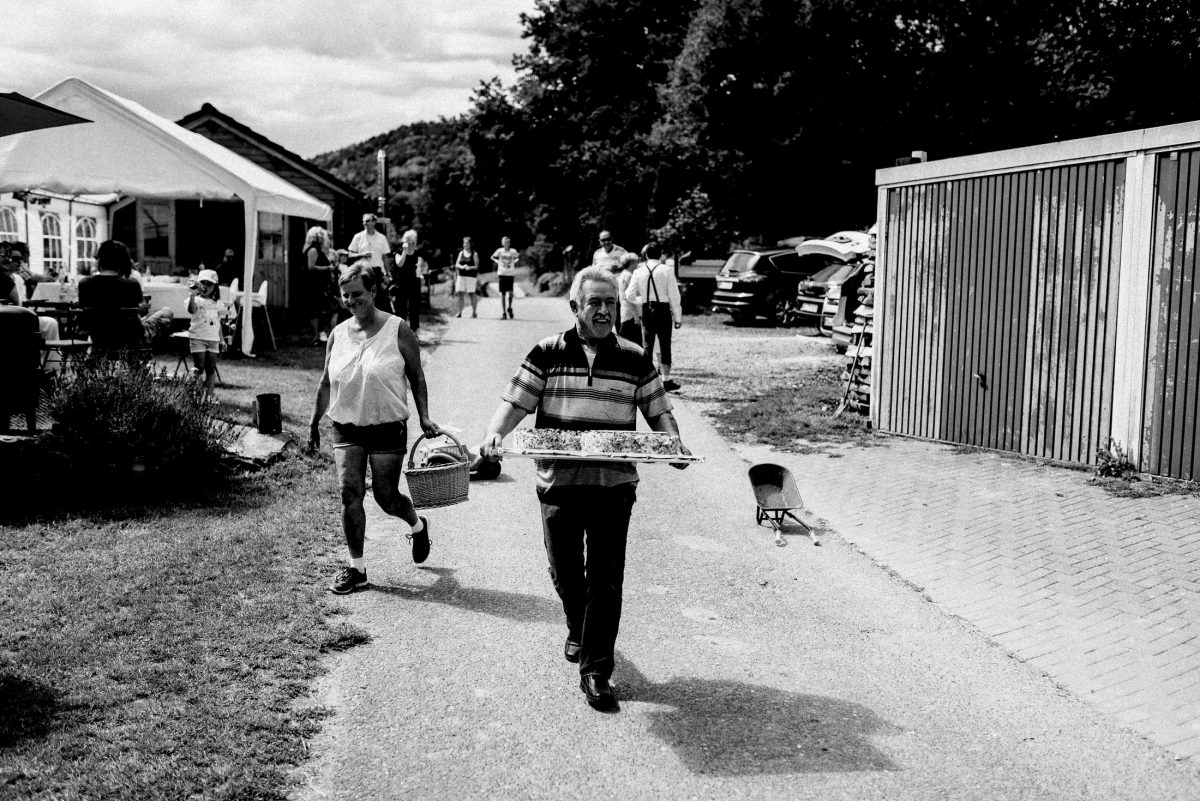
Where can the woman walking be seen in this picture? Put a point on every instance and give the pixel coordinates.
(466, 274)
(371, 362)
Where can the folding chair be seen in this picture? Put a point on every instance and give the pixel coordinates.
(185, 352)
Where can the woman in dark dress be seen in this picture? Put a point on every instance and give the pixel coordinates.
(320, 284)
(406, 280)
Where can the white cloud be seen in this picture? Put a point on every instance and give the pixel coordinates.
(313, 75)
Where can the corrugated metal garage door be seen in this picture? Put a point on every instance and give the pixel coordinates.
(997, 294)
(1173, 349)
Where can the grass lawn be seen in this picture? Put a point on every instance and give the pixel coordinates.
(760, 383)
(159, 651)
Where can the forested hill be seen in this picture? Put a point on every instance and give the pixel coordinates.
(704, 123)
(416, 154)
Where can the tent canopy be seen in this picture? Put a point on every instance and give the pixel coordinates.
(132, 151)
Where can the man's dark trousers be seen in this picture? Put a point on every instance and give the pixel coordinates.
(595, 519)
(657, 322)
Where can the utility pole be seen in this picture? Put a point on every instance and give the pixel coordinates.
(381, 163)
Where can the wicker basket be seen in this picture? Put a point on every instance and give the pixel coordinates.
(437, 485)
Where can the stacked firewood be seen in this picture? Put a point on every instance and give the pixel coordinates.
(860, 353)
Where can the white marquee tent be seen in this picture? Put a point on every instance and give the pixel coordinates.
(130, 151)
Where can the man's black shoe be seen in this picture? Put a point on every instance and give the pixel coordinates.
(670, 385)
(599, 693)
(571, 650)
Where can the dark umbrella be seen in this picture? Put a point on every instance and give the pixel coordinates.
(19, 113)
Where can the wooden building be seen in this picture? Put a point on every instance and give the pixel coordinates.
(1045, 300)
(346, 202)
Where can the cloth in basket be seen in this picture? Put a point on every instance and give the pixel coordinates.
(435, 485)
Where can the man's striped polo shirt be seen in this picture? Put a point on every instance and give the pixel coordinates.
(556, 381)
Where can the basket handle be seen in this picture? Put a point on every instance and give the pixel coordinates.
(413, 450)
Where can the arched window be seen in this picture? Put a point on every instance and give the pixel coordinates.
(85, 245)
(8, 225)
(52, 245)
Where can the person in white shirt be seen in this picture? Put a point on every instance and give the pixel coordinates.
(371, 249)
(608, 254)
(372, 362)
(505, 259)
(655, 291)
(204, 331)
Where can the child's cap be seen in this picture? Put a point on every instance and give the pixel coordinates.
(208, 275)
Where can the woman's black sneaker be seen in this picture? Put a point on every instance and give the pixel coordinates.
(348, 580)
(421, 542)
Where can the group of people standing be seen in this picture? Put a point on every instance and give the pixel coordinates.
(651, 306)
(398, 270)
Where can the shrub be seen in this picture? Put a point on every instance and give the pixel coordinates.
(1113, 461)
(116, 420)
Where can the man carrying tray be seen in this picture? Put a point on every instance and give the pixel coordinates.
(586, 378)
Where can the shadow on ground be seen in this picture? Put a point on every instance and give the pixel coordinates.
(726, 728)
(446, 590)
(26, 708)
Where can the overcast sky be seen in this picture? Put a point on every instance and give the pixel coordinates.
(313, 75)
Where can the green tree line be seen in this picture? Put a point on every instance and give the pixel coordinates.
(706, 123)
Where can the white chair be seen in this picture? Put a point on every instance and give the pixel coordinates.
(259, 301)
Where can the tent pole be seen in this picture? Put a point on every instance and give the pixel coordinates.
(249, 246)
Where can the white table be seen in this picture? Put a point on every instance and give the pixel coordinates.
(56, 292)
(173, 297)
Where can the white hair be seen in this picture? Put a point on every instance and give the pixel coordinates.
(600, 274)
(409, 236)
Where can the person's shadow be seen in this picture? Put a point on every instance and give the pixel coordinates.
(447, 590)
(26, 708)
(723, 727)
(716, 726)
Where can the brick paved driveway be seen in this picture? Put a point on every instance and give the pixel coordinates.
(1102, 593)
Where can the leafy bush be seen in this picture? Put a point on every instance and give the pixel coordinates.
(115, 419)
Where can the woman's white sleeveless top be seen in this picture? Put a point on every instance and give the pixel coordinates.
(367, 382)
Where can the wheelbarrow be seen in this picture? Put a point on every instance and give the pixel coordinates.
(778, 497)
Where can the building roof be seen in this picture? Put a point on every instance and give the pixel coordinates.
(128, 149)
(209, 112)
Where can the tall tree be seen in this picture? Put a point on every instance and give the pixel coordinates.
(583, 106)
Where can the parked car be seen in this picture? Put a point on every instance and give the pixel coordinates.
(818, 296)
(761, 283)
(836, 259)
(697, 280)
